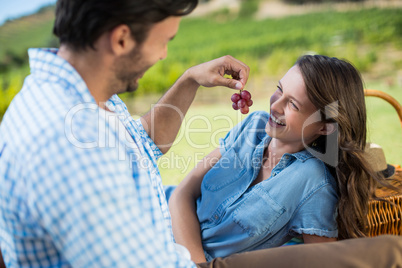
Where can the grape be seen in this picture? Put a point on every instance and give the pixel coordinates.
(244, 110)
(241, 103)
(245, 95)
(235, 97)
(234, 106)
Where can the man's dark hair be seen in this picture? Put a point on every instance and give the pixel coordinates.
(79, 23)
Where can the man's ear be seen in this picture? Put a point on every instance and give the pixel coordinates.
(327, 129)
(121, 41)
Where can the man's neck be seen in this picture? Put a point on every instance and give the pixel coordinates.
(93, 70)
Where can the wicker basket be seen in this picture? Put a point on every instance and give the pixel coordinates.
(384, 217)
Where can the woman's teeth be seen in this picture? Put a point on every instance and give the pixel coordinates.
(276, 120)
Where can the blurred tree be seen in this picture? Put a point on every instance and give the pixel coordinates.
(15, 59)
(53, 42)
(248, 8)
(4, 68)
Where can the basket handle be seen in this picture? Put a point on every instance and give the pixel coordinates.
(388, 98)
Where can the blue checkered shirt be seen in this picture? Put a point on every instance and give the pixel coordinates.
(75, 188)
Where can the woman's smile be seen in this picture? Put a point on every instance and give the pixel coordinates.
(275, 122)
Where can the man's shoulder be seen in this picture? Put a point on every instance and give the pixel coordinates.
(35, 117)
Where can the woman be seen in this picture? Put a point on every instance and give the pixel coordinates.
(295, 172)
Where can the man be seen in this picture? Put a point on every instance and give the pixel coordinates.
(79, 181)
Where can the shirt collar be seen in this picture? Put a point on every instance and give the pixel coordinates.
(301, 156)
(45, 63)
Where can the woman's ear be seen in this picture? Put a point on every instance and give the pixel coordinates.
(328, 128)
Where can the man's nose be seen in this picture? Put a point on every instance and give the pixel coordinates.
(164, 54)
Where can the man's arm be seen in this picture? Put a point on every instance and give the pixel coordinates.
(317, 239)
(380, 251)
(163, 121)
(182, 205)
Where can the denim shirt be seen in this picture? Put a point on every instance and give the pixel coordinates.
(298, 198)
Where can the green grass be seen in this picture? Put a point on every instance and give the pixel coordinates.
(199, 135)
(383, 122)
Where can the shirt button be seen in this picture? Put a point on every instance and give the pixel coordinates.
(287, 157)
(273, 175)
(216, 217)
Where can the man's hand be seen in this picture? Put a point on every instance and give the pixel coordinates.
(163, 122)
(211, 74)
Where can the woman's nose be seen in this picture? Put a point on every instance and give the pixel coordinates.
(277, 103)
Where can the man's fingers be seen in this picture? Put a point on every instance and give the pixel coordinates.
(227, 82)
(240, 75)
(212, 73)
(235, 84)
(237, 69)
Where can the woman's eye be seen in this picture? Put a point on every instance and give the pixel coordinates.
(294, 105)
(280, 89)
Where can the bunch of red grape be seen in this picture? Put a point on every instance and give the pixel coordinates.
(242, 101)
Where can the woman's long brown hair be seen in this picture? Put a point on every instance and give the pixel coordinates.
(331, 80)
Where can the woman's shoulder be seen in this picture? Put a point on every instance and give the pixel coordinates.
(310, 179)
(256, 120)
(248, 133)
(311, 167)
(253, 126)
(259, 115)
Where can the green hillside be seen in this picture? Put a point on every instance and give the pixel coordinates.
(18, 35)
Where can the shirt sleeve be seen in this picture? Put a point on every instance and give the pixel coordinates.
(98, 211)
(134, 126)
(238, 135)
(317, 215)
(146, 139)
